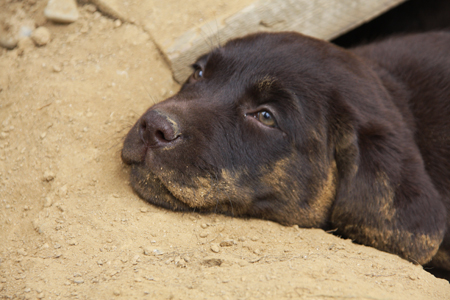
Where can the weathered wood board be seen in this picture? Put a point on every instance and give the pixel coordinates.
(323, 19)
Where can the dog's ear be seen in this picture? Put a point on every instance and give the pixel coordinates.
(384, 196)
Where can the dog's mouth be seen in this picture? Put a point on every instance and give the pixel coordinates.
(213, 193)
(151, 188)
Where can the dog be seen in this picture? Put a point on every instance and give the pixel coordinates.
(289, 128)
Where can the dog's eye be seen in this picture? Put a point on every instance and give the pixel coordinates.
(266, 118)
(197, 74)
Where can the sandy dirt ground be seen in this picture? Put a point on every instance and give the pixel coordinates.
(72, 228)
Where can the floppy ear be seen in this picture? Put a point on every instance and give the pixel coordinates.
(384, 196)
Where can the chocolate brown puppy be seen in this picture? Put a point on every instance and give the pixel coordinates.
(288, 128)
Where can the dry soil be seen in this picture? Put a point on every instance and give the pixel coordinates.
(72, 228)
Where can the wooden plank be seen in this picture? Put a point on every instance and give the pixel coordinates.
(323, 19)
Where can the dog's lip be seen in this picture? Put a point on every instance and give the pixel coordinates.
(177, 205)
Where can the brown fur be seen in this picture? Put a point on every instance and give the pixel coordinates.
(292, 129)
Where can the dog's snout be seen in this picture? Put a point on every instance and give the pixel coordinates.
(158, 129)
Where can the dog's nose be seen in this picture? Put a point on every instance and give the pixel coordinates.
(158, 129)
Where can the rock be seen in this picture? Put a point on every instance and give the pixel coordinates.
(41, 36)
(215, 248)
(48, 202)
(57, 68)
(62, 11)
(212, 262)
(117, 23)
(90, 8)
(227, 243)
(78, 280)
(22, 252)
(49, 176)
(7, 40)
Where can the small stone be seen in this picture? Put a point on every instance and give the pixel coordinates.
(254, 238)
(48, 202)
(147, 251)
(257, 251)
(215, 248)
(227, 243)
(72, 242)
(43, 135)
(144, 209)
(116, 293)
(90, 8)
(204, 225)
(63, 11)
(27, 290)
(49, 176)
(22, 252)
(203, 234)
(157, 252)
(8, 42)
(78, 280)
(63, 190)
(242, 239)
(57, 68)
(41, 36)
(243, 263)
(117, 23)
(135, 260)
(41, 295)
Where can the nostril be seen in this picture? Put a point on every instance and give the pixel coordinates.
(157, 129)
(160, 136)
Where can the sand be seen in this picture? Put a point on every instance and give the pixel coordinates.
(71, 226)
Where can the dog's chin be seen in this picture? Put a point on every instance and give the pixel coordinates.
(150, 188)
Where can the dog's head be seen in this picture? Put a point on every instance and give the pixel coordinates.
(246, 135)
(270, 126)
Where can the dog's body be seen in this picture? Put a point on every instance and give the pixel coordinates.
(295, 130)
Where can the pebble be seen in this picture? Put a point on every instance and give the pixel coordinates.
(204, 225)
(8, 42)
(49, 176)
(72, 242)
(78, 280)
(90, 8)
(215, 248)
(116, 292)
(242, 239)
(158, 252)
(41, 295)
(147, 251)
(144, 209)
(254, 238)
(48, 202)
(41, 36)
(117, 23)
(203, 234)
(57, 68)
(27, 290)
(63, 11)
(22, 252)
(135, 260)
(227, 243)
